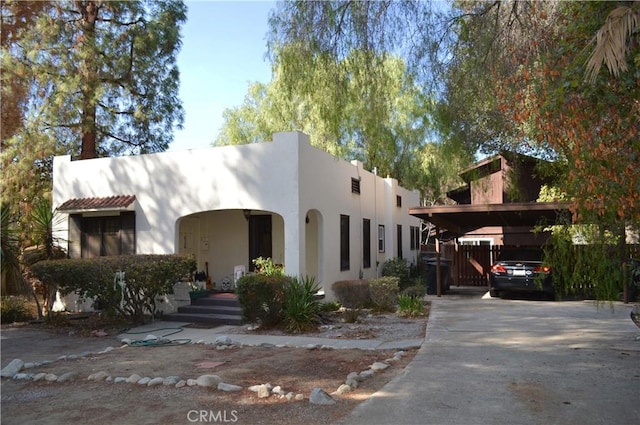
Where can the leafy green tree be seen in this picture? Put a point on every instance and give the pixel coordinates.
(383, 122)
(99, 79)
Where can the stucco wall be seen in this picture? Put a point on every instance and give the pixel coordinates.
(287, 177)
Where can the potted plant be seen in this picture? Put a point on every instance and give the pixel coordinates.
(198, 290)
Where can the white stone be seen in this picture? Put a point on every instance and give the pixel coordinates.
(12, 368)
(144, 381)
(289, 396)
(319, 396)
(126, 341)
(277, 390)
(299, 397)
(51, 377)
(98, 376)
(28, 365)
(223, 340)
(223, 386)
(312, 346)
(72, 356)
(352, 382)
(155, 381)
(353, 375)
(221, 347)
(39, 376)
(119, 379)
(23, 376)
(208, 380)
(344, 388)
(134, 378)
(379, 366)
(171, 380)
(398, 353)
(181, 383)
(192, 382)
(366, 374)
(264, 391)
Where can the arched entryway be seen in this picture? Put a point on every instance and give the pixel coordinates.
(223, 240)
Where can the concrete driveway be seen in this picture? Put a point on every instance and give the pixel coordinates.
(505, 361)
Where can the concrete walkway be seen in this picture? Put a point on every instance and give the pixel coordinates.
(499, 361)
(208, 336)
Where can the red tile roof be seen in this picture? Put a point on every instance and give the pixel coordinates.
(98, 203)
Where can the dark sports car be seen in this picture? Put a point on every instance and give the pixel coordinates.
(520, 269)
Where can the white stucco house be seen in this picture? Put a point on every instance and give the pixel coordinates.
(309, 211)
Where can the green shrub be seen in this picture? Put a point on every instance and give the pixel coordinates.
(13, 309)
(409, 306)
(262, 298)
(415, 291)
(327, 307)
(397, 267)
(266, 267)
(384, 292)
(301, 307)
(146, 278)
(351, 315)
(352, 293)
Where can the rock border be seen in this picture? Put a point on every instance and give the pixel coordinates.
(15, 370)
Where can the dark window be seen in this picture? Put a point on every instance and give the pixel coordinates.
(102, 236)
(355, 185)
(399, 230)
(366, 243)
(398, 201)
(344, 242)
(415, 238)
(260, 238)
(381, 238)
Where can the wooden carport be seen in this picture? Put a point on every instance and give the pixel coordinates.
(461, 219)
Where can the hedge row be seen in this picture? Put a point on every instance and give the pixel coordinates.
(146, 277)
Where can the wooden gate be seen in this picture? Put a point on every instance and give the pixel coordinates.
(471, 263)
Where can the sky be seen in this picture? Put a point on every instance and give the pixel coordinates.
(223, 50)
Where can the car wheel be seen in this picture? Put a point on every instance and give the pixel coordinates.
(494, 293)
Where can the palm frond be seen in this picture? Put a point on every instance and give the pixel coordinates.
(12, 280)
(612, 42)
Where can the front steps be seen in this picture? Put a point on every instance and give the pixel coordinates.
(219, 308)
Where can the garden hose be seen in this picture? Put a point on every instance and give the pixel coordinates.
(161, 341)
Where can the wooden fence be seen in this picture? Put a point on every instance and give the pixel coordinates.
(469, 265)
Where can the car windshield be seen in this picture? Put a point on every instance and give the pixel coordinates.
(520, 254)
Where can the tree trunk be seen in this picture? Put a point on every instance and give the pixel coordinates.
(88, 69)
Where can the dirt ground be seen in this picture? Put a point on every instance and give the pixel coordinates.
(296, 370)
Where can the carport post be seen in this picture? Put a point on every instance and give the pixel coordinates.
(438, 273)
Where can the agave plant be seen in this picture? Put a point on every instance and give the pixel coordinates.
(301, 305)
(45, 245)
